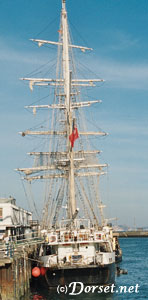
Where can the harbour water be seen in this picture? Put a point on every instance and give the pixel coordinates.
(135, 260)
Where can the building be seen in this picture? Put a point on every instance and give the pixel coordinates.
(14, 220)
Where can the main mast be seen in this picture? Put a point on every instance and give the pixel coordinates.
(69, 120)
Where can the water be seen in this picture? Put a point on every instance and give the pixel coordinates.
(135, 260)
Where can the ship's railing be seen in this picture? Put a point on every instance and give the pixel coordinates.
(80, 236)
(75, 236)
(24, 236)
(72, 237)
(12, 244)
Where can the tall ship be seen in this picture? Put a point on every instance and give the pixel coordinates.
(79, 245)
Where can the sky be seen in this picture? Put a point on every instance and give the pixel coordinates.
(117, 31)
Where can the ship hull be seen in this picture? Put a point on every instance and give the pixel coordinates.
(90, 275)
(118, 258)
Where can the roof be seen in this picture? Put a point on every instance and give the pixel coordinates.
(8, 200)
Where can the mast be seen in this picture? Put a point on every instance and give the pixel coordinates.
(70, 123)
(66, 166)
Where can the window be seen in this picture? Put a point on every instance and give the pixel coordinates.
(1, 214)
(104, 247)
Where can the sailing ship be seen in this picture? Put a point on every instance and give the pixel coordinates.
(79, 243)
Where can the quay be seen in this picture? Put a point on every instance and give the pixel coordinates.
(20, 238)
(131, 234)
(16, 260)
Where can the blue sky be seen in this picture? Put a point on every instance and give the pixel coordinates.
(117, 30)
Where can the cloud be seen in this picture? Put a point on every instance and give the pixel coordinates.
(121, 40)
(134, 129)
(119, 74)
(18, 53)
(122, 74)
(119, 69)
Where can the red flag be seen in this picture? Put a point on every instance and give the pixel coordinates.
(60, 31)
(73, 136)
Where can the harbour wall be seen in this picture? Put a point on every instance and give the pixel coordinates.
(136, 233)
(15, 278)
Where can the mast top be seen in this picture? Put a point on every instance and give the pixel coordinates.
(63, 4)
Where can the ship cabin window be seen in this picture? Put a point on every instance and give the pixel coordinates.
(82, 226)
(103, 247)
(1, 214)
(48, 250)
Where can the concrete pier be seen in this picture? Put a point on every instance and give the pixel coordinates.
(136, 233)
